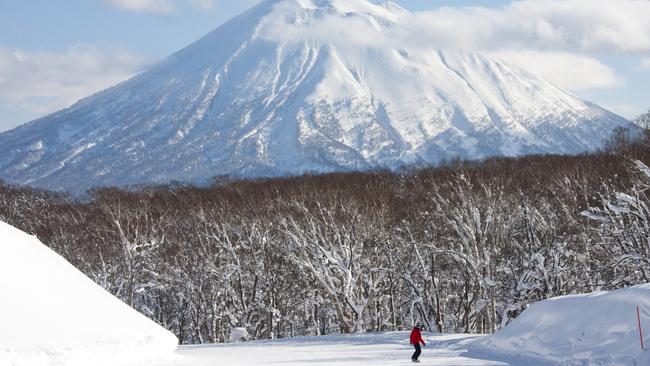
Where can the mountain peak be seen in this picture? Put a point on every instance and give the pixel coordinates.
(349, 5)
(352, 5)
(343, 7)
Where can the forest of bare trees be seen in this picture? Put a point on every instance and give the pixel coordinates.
(463, 248)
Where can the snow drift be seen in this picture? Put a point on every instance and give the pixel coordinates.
(591, 329)
(295, 86)
(51, 314)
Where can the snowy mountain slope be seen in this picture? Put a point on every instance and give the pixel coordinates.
(51, 314)
(301, 85)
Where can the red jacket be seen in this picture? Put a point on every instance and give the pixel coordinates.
(416, 337)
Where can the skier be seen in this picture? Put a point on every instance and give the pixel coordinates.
(416, 340)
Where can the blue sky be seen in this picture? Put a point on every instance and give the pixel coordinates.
(53, 52)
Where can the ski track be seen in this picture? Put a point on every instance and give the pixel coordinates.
(342, 350)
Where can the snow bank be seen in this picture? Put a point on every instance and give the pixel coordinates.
(51, 314)
(592, 329)
(239, 335)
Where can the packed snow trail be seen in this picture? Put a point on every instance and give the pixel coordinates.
(343, 350)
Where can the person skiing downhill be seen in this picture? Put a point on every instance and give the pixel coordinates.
(416, 340)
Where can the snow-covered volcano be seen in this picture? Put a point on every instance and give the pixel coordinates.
(301, 85)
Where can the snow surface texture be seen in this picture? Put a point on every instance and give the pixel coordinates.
(593, 329)
(295, 86)
(338, 350)
(51, 314)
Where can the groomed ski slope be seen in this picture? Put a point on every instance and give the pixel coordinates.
(599, 328)
(542, 339)
(342, 350)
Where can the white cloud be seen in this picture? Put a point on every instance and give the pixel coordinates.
(645, 63)
(44, 82)
(555, 40)
(204, 4)
(567, 25)
(151, 6)
(569, 71)
(586, 26)
(158, 6)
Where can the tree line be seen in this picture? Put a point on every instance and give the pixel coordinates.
(463, 247)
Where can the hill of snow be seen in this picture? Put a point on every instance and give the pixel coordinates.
(53, 315)
(592, 329)
(295, 86)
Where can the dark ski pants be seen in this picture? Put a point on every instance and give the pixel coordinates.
(417, 352)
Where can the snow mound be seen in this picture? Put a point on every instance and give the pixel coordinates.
(51, 314)
(238, 335)
(592, 329)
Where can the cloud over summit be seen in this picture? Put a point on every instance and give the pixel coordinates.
(558, 40)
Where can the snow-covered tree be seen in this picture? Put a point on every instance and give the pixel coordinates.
(623, 230)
